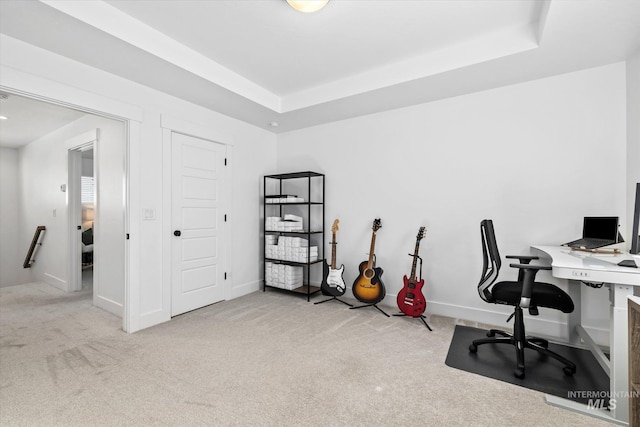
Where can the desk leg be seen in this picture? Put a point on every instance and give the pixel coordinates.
(616, 365)
(577, 335)
(575, 318)
(619, 377)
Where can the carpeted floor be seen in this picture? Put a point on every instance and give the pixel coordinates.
(265, 359)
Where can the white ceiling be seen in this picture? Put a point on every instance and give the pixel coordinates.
(287, 52)
(29, 119)
(261, 62)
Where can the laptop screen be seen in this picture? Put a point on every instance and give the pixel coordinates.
(600, 227)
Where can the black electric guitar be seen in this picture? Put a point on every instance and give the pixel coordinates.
(333, 282)
(410, 299)
(368, 286)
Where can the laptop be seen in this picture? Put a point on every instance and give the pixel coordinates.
(597, 231)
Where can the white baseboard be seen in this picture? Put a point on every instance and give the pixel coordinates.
(152, 318)
(535, 325)
(108, 305)
(600, 336)
(56, 281)
(245, 289)
(157, 317)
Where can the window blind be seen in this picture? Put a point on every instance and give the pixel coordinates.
(87, 189)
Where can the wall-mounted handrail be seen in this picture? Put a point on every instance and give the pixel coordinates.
(32, 248)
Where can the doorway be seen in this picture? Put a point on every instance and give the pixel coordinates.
(88, 189)
(49, 194)
(82, 198)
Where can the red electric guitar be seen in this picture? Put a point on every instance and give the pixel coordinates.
(410, 299)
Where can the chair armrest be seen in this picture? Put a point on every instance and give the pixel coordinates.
(535, 267)
(527, 275)
(524, 259)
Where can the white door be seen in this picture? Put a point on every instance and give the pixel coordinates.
(197, 255)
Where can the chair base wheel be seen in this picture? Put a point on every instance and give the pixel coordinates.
(519, 373)
(569, 370)
(473, 348)
(491, 334)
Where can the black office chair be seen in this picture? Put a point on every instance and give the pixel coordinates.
(87, 246)
(523, 293)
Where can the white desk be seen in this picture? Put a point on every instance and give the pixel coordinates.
(580, 266)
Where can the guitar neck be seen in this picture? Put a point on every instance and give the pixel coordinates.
(371, 250)
(333, 252)
(415, 262)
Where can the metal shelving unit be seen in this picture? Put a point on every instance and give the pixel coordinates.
(312, 212)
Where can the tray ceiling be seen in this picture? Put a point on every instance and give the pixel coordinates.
(262, 62)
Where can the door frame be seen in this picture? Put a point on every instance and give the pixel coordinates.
(169, 125)
(29, 85)
(81, 143)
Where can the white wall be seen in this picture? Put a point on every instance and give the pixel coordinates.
(87, 163)
(43, 169)
(633, 136)
(12, 249)
(507, 154)
(253, 156)
(109, 226)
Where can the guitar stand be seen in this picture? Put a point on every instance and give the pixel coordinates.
(334, 298)
(421, 317)
(371, 305)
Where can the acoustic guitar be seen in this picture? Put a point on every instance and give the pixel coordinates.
(333, 282)
(410, 299)
(368, 286)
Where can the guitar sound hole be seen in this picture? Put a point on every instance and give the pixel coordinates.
(369, 274)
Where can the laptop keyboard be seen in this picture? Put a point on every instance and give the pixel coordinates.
(590, 243)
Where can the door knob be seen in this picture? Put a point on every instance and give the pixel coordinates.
(177, 233)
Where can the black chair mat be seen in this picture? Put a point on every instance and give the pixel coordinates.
(544, 374)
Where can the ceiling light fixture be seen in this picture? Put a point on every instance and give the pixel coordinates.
(307, 6)
(4, 118)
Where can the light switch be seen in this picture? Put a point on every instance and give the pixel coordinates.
(148, 214)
